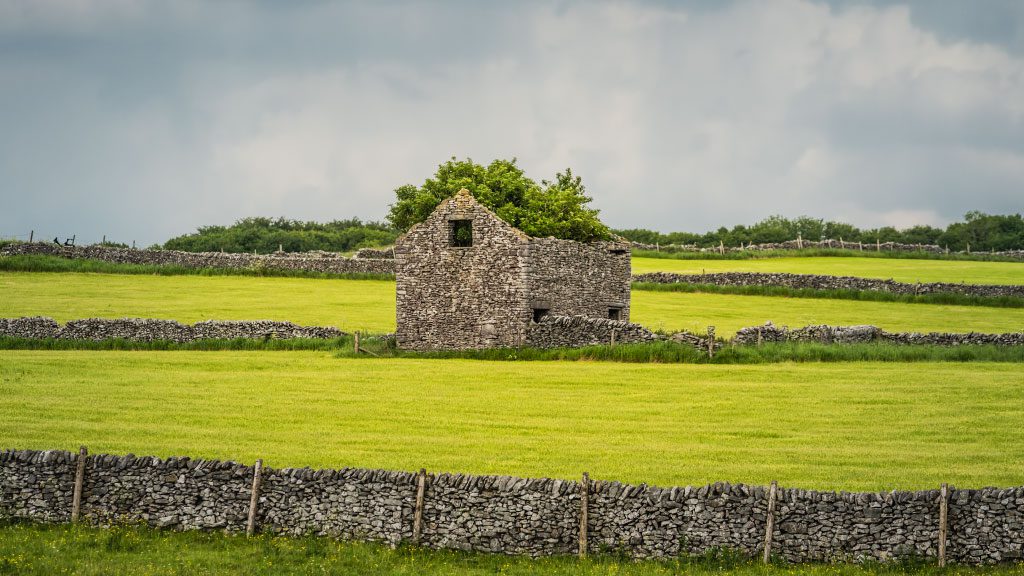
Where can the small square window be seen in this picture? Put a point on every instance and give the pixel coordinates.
(615, 313)
(461, 233)
(539, 313)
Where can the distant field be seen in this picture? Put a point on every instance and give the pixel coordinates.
(369, 305)
(863, 426)
(903, 270)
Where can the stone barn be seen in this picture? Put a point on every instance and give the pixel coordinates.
(468, 279)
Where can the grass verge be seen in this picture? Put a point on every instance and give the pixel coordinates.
(49, 549)
(861, 295)
(654, 352)
(836, 426)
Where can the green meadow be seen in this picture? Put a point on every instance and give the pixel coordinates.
(852, 426)
(47, 549)
(369, 305)
(900, 269)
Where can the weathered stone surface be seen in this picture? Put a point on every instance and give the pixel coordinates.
(485, 295)
(823, 282)
(325, 262)
(511, 515)
(858, 334)
(572, 331)
(147, 330)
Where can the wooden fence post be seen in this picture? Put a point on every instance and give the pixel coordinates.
(711, 341)
(76, 497)
(943, 519)
(584, 505)
(31, 235)
(769, 531)
(357, 342)
(254, 498)
(613, 338)
(417, 517)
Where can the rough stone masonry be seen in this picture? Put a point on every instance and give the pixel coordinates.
(468, 279)
(509, 515)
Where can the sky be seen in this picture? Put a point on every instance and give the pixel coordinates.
(141, 120)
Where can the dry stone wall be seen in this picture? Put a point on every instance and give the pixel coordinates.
(509, 515)
(572, 331)
(579, 279)
(866, 333)
(823, 282)
(823, 244)
(148, 330)
(322, 262)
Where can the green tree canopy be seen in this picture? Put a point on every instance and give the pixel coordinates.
(558, 208)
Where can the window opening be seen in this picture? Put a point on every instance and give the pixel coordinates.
(461, 234)
(615, 313)
(539, 313)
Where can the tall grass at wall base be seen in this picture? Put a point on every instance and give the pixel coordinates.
(836, 294)
(32, 549)
(817, 252)
(664, 352)
(44, 263)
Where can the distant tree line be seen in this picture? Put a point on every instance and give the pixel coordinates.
(980, 231)
(265, 235)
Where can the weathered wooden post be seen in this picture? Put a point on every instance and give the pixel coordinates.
(31, 235)
(721, 247)
(254, 497)
(799, 240)
(76, 496)
(759, 337)
(584, 505)
(841, 244)
(769, 531)
(711, 341)
(417, 516)
(943, 520)
(357, 342)
(613, 338)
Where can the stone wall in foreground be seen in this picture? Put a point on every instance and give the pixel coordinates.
(823, 282)
(509, 515)
(323, 262)
(148, 330)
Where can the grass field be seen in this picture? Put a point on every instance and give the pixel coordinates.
(369, 305)
(854, 426)
(903, 270)
(46, 550)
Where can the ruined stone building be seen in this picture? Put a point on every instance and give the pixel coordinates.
(468, 279)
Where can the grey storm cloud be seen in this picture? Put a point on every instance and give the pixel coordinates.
(141, 120)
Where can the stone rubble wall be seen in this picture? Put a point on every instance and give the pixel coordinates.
(147, 330)
(502, 514)
(823, 282)
(323, 262)
(579, 279)
(571, 331)
(823, 244)
(376, 253)
(862, 334)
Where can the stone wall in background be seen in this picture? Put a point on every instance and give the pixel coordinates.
(823, 282)
(147, 330)
(823, 244)
(502, 514)
(322, 262)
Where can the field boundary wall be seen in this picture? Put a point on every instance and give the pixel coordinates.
(148, 330)
(800, 244)
(824, 282)
(322, 262)
(510, 515)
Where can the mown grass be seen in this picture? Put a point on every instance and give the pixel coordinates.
(900, 269)
(369, 305)
(862, 295)
(48, 549)
(43, 263)
(853, 426)
(825, 252)
(661, 352)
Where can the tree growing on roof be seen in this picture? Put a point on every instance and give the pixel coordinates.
(558, 208)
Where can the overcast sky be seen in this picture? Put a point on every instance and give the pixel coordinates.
(144, 120)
